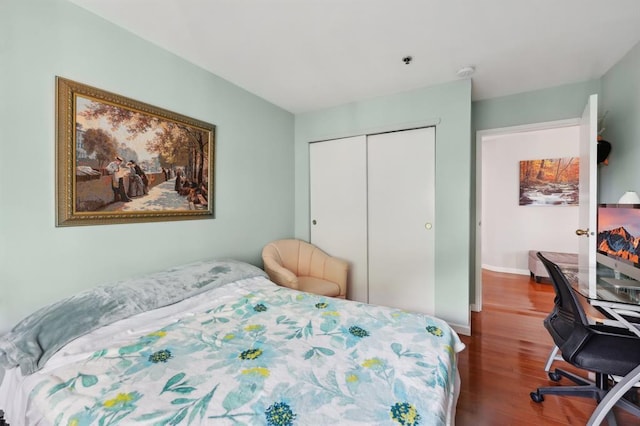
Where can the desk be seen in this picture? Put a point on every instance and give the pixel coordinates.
(617, 297)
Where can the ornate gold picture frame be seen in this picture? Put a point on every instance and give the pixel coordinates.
(124, 161)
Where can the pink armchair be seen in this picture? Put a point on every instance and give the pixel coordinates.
(302, 266)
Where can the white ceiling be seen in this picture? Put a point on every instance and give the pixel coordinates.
(305, 55)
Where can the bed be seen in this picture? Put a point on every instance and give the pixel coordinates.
(216, 342)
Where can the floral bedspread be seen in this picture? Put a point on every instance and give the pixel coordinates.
(265, 355)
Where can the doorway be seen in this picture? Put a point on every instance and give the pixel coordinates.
(506, 231)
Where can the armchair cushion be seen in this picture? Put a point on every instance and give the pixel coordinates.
(318, 286)
(302, 266)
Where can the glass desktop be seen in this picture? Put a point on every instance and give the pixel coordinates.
(614, 286)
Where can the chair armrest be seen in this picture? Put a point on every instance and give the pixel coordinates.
(280, 275)
(336, 270)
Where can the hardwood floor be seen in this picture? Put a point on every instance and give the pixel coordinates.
(505, 357)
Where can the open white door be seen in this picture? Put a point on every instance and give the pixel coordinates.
(588, 198)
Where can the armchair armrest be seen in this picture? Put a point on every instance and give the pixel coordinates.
(280, 275)
(336, 270)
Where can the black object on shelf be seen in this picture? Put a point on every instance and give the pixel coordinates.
(604, 149)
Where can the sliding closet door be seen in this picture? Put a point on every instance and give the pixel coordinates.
(401, 187)
(338, 205)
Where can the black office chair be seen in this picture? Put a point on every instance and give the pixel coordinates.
(601, 349)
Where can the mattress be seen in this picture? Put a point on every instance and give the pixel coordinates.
(247, 352)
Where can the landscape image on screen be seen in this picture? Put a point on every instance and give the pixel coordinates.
(619, 233)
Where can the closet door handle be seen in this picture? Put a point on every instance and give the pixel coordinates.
(428, 225)
(314, 222)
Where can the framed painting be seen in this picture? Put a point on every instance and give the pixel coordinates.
(124, 161)
(550, 182)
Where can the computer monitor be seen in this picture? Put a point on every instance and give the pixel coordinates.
(618, 240)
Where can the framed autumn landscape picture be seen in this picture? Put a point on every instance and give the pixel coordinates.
(124, 161)
(550, 182)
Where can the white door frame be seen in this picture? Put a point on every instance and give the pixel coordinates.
(476, 304)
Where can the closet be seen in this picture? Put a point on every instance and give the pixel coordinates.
(372, 204)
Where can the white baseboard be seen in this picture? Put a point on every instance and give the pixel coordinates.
(506, 270)
(461, 329)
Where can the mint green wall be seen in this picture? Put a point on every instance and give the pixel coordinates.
(449, 107)
(39, 263)
(551, 104)
(621, 98)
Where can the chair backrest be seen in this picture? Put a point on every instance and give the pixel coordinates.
(567, 323)
(566, 300)
(300, 257)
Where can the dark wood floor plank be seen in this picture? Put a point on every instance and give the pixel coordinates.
(505, 356)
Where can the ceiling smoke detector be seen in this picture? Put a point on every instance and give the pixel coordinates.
(466, 71)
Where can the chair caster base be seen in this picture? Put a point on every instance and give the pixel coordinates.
(536, 397)
(554, 376)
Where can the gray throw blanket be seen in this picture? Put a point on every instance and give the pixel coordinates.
(40, 335)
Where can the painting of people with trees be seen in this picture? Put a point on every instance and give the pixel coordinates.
(550, 182)
(121, 160)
